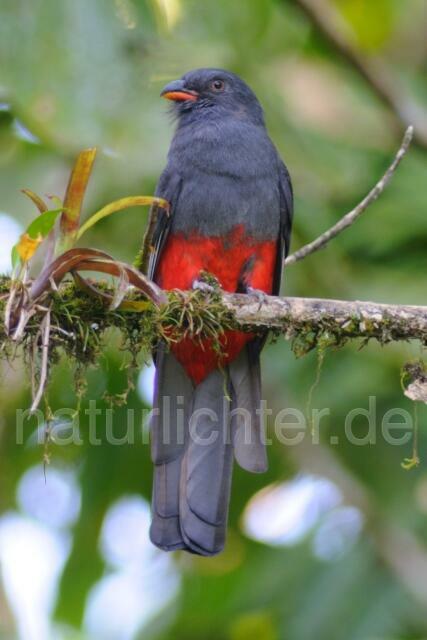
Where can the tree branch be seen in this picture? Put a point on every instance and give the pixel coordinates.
(383, 322)
(350, 217)
(314, 317)
(328, 21)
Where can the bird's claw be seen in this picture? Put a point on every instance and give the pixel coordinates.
(259, 295)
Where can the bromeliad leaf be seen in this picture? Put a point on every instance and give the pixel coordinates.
(43, 223)
(96, 261)
(16, 260)
(125, 305)
(119, 205)
(74, 195)
(36, 232)
(27, 246)
(120, 290)
(40, 204)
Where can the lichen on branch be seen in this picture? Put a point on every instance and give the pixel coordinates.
(79, 319)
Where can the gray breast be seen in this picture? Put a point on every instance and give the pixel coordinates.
(230, 177)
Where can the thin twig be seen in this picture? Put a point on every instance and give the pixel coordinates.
(350, 217)
(45, 335)
(331, 25)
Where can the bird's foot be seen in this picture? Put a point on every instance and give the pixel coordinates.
(259, 295)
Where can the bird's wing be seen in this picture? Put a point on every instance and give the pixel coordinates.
(245, 372)
(286, 205)
(283, 243)
(169, 188)
(286, 215)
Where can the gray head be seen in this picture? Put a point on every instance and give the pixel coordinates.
(213, 93)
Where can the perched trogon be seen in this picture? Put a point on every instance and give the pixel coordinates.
(230, 215)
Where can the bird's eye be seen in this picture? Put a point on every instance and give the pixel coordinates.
(218, 85)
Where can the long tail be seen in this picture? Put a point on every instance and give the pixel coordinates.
(193, 439)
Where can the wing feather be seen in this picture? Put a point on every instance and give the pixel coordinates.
(169, 188)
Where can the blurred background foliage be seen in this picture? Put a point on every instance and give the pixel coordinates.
(332, 541)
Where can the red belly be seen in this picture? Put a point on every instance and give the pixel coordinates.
(182, 260)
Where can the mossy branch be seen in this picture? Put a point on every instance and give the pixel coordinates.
(60, 311)
(340, 318)
(303, 320)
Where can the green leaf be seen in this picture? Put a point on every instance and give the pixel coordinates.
(16, 260)
(43, 223)
(39, 228)
(119, 205)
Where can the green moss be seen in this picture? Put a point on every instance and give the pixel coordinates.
(80, 319)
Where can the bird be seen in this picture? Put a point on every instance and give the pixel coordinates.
(231, 207)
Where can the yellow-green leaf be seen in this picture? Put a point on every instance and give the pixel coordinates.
(135, 305)
(40, 204)
(35, 233)
(410, 463)
(43, 223)
(16, 260)
(74, 195)
(119, 205)
(27, 246)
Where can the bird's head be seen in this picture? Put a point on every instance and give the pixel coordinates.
(213, 92)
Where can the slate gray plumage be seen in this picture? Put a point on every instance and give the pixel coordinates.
(222, 171)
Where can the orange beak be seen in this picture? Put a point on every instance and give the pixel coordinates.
(178, 92)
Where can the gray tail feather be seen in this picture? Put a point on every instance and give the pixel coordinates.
(173, 392)
(193, 455)
(165, 531)
(247, 420)
(207, 469)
